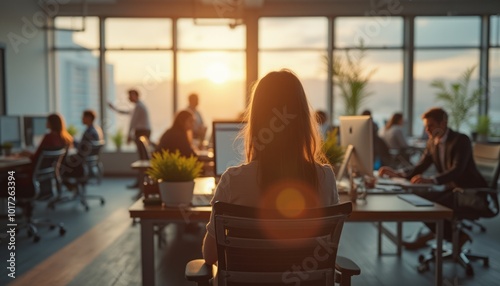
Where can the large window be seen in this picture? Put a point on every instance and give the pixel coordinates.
(298, 44)
(445, 48)
(77, 68)
(382, 41)
(211, 63)
(139, 56)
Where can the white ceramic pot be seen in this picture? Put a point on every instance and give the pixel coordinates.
(174, 194)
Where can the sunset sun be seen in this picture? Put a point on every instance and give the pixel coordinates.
(217, 73)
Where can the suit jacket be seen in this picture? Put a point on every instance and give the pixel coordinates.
(459, 168)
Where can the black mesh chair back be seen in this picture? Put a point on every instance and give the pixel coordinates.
(47, 169)
(93, 165)
(264, 246)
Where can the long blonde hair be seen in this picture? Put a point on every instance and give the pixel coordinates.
(281, 133)
(56, 124)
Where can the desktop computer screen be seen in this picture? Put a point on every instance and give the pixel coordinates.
(10, 130)
(35, 127)
(357, 131)
(229, 148)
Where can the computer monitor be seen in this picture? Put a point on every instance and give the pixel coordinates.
(10, 130)
(229, 147)
(35, 127)
(356, 133)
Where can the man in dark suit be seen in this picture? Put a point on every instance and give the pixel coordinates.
(451, 153)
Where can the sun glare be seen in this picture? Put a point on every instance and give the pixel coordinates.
(217, 73)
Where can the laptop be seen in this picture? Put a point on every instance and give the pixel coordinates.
(229, 146)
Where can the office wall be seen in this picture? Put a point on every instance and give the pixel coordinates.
(25, 57)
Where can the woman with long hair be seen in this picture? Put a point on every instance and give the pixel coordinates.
(285, 167)
(178, 136)
(393, 132)
(57, 137)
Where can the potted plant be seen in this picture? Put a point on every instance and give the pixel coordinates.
(72, 130)
(351, 77)
(333, 151)
(175, 175)
(458, 101)
(117, 139)
(483, 128)
(7, 148)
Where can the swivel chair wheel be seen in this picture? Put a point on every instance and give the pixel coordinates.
(102, 202)
(469, 271)
(421, 258)
(62, 231)
(86, 208)
(51, 227)
(36, 238)
(423, 267)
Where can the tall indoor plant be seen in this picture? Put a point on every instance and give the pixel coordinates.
(351, 78)
(175, 175)
(458, 101)
(483, 128)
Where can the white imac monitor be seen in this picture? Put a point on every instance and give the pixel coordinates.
(357, 131)
(229, 147)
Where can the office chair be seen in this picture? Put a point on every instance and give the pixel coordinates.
(469, 204)
(45, 176)
(487, 159)
(79, 177)
(265, 247)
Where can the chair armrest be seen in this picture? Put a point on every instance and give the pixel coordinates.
(346, 266)
(198, 271)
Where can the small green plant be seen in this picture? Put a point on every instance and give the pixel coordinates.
(483, 125)
(333, 151)
(117, 138)
(458, 101)
(7, 145)
(172, 167)
(72, 130)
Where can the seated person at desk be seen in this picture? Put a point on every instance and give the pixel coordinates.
(393, 133)
(57, 138)
(451, 153)
(393, 136)
(292, 159)
(178, 136)
(72, 165)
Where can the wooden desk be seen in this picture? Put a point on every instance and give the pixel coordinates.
(11, 163)
(378, 208)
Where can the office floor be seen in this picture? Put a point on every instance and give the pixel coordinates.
(102, 247)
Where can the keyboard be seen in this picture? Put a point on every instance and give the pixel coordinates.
(416, 200)
(201, 200)
(403, 183)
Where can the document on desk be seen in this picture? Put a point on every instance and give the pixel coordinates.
(416, 200)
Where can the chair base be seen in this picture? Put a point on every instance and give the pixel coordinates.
(463, 258)
(80, 194)
(32, 226)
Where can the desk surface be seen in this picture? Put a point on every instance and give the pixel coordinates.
(375, 208)
(11, 162)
